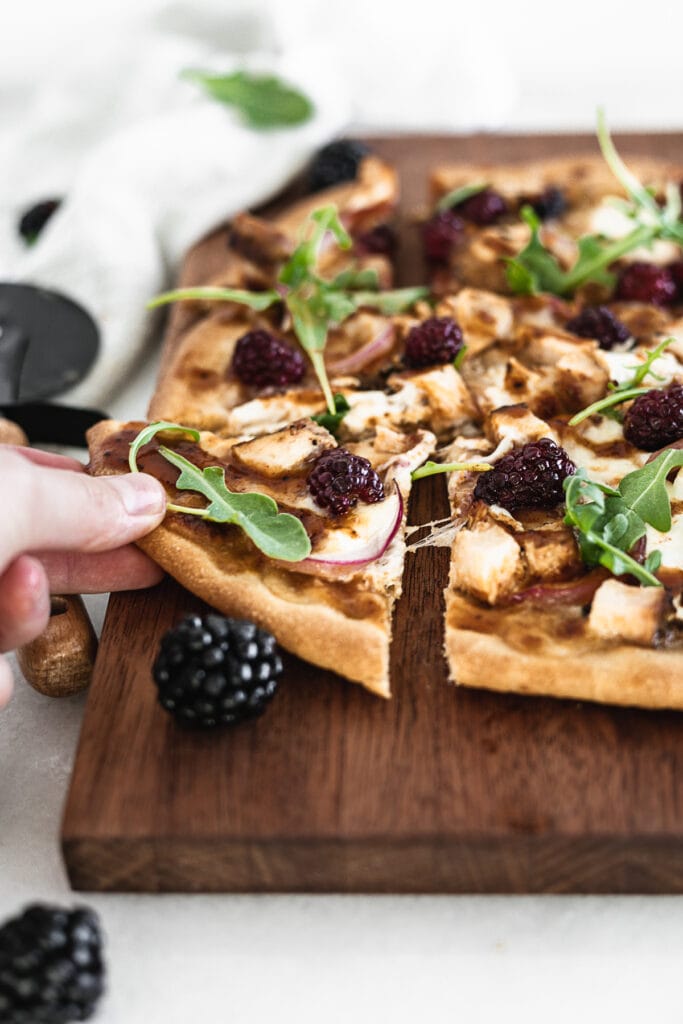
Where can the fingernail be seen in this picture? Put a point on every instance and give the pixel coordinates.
(142, 495)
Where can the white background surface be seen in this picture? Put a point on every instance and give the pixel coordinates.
(178, 960)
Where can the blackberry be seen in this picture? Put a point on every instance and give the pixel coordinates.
(34, 219)
(214, 671)
(440, 235)
(646, 282)
(339, 479)
(655, 419)
(51, 968)
(551, 203)
(483, 208)
(600, 323)
(433, 342)
(676, 271)
(336, 162)
(381, 241)
(262, 360)
(528, 477)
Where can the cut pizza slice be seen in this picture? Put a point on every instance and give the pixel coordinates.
(482, 216)
(300, 535)
(560, 584)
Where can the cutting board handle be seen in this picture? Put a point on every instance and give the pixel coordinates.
(60, 661)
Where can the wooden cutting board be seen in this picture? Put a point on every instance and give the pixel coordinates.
(438, 790)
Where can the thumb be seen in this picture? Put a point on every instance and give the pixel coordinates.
(59, 510)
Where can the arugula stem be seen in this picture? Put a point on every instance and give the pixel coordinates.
(255, 300)
(170, 507)
(432, 468)
(318, 363)
(609, 254)
(616, 398)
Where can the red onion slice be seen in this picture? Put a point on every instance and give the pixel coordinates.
(380, 345)
(579, 591)
(359, 538)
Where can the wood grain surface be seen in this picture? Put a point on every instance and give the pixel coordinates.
(439, 790)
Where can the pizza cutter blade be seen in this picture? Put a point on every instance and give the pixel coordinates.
(47, 344)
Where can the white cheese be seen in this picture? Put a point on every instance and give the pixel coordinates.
(608, 220)
(669, 544)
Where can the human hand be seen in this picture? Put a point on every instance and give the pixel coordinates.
(65, 532)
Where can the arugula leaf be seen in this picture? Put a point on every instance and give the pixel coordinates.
(331, 420)
(367, 279)
(459, 195)
(644, 490)
(432, 468)
(606, 527)
(460, 358)
(263, 101)
(535, 269)
(277, 534)
(627, 389)
(255, 300)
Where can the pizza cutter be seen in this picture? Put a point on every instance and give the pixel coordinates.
(48, 343)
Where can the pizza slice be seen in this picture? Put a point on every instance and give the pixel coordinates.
(290, 530)
(567, 562)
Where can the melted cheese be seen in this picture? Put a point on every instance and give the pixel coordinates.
(669, 544)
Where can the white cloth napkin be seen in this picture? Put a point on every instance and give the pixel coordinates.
(147, 162)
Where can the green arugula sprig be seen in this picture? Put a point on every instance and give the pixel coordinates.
(313, 303)
(628, 389)
(263, 101)
(609, 522)
(535, 269)
(432, 468)
(277, 534)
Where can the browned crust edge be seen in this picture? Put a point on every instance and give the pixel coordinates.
(625, 674)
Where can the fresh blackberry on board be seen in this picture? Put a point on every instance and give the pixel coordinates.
(51, 967)
(433, 342)
(34, 219)
(262, 360)
(213, 671)
(483, 208)
(655, 419)
(550, 204)
(646, 282)
(600, 323)
(440, 235)
(336, 162)
(340, 479)
(528, 477)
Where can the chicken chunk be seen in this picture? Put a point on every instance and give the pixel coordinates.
(284, 451)
(486, 562)
(630, 614)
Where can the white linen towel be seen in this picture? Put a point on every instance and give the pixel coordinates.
(147, 163)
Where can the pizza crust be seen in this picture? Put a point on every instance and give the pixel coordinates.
(607, 673)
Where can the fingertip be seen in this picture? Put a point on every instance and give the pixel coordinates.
(141, 494)
(24, 602)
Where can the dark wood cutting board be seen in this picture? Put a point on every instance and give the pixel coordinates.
(438, 790)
